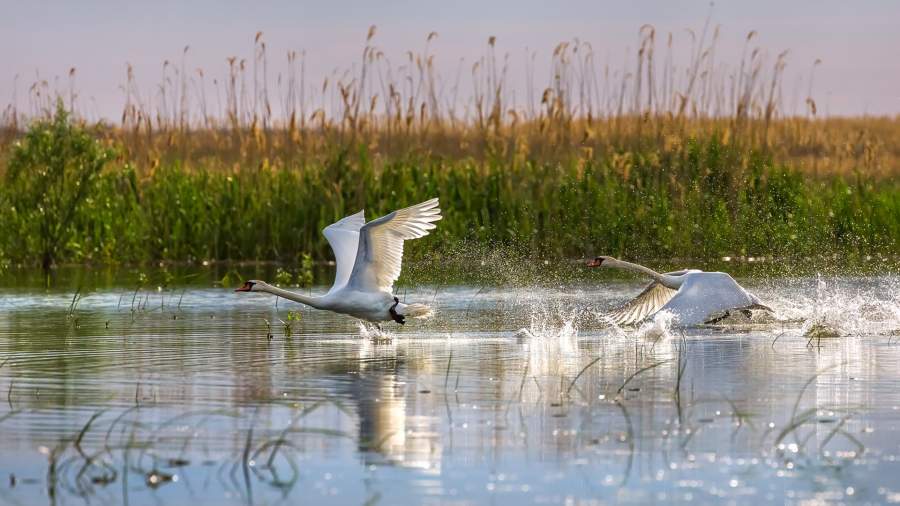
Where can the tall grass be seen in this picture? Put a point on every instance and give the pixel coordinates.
(674, 86)
(701, 199)
(658, 159)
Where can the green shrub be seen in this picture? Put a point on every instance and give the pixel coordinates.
(51, 173)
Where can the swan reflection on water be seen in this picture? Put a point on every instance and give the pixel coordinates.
(391, 429)
(458, 408)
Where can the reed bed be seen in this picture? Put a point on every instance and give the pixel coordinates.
(701, 159)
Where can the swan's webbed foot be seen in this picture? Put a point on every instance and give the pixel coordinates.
(397, 317)
(380, 337)
(713, 321)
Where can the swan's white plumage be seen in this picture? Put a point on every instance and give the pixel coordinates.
(368, 258)
(343, 236)
(692, 296)
(703, 294)
(380, 252)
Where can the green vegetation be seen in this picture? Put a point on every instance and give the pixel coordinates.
(49, 182)
(701, 198)
(659, 161)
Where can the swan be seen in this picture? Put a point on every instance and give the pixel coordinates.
(368, 257)
(692, 296)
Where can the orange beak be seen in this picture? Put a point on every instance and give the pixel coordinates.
(597, 262)
(245, 287)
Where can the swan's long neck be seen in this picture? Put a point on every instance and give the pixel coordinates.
(316, 302)
(673, 282)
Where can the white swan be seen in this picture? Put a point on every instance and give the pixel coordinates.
(693, 296)
(368, 258)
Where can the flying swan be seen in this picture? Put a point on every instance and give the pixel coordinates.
(693, 296)
(368, 258)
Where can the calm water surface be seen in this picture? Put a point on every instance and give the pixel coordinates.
(203, 396)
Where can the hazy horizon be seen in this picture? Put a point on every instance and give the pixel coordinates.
(43, 40)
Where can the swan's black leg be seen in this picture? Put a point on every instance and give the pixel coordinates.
(397, 317)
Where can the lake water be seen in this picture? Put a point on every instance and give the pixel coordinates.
(202, 395)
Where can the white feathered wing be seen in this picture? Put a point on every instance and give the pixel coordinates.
(379, 254)
(343, 236)
(649, 301)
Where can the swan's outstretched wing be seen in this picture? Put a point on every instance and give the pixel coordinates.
(648, 302)
(651, 300)
(343, 236)
(380, 251)
(706, 294)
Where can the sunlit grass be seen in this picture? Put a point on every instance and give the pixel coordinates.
(659, 159)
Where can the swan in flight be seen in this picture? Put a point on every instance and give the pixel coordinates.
(368, 258)
(693, 296)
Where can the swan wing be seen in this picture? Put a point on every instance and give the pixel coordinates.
(380, 251)
(708, 293)
(343, 236)
(654, 297)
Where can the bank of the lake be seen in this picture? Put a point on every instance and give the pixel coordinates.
(70, 197)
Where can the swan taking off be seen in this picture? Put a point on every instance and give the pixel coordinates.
(691, 295)
(368, 258)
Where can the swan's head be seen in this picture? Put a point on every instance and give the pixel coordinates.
(598, 261)
(250, 286)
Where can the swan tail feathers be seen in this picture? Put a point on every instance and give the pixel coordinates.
(415, 310)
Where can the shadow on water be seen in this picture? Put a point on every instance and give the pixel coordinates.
(506, 396)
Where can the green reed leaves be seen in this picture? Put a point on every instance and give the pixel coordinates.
(701, 198)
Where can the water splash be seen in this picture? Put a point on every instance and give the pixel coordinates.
(555, 321)
(657, 328)
(834, 310)
(524, 333)
(371, 332)
(551, 338)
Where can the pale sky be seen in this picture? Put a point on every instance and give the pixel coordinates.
(858, 42)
